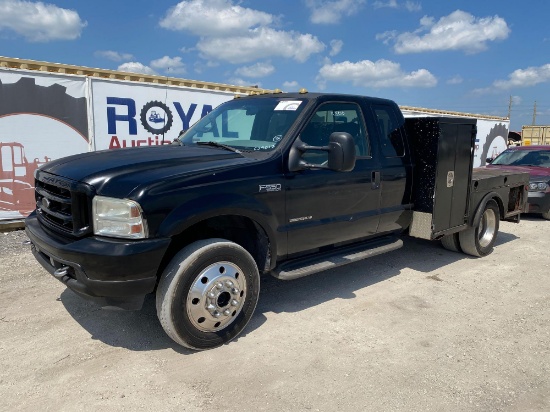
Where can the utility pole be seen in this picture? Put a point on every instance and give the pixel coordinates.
(535, 113)
(510, 107)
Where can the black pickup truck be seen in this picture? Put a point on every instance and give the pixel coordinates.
(286, 184)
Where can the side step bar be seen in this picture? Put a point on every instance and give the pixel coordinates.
(312, 264)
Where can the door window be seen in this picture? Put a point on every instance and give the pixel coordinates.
(390, 130)
(330, 118)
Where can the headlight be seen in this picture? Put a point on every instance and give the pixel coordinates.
(537, 186)
(118, 218)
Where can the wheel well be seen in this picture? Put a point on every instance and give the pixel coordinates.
(239, 229)
(500, 205)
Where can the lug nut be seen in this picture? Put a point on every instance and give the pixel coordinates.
(211, 295)
(227, 312)
(229, 284)
(219, 285)
(235, 291)
(216, 314)
(210, 308)
(234, 302)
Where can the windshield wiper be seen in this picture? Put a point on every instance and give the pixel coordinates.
(220, 145)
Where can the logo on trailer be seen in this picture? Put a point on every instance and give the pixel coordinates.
(156, 117)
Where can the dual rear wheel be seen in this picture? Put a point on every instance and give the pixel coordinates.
(477, 240)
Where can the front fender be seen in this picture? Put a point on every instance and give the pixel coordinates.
(221, 204)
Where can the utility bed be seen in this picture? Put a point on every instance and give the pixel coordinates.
(447, 191)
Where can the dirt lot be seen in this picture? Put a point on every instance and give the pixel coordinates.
(418, 329)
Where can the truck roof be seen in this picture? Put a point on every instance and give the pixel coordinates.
(324, 96)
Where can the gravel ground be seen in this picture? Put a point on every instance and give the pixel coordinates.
(418, 329)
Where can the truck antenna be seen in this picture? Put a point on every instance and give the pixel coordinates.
(165, 100)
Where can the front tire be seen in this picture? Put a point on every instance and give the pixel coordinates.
(207, 293)
(546, 215)
(479, 240)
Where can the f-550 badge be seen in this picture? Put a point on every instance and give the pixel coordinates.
(270, 188)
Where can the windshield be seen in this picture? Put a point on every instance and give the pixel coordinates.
(248, 125)
(539, 158)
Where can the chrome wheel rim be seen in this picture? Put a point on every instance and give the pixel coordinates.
(487, 228)
(216, 297)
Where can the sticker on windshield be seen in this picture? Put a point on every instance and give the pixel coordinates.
(291, 105)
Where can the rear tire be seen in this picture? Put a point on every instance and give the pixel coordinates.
(451, 242)
(479, 240)
(207, 293)
(546, 215)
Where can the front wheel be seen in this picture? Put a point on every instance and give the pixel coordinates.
(546, 215)
(207, 293)
(479, 240)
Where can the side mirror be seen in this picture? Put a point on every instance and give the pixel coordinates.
(341, 154)
(489, 159)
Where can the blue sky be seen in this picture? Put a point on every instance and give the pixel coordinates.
(454, 55)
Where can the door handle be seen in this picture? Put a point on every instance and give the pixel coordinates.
(375, 180)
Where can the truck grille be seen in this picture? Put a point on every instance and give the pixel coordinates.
(63, 205)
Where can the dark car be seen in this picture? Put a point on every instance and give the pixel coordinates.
(536, 161)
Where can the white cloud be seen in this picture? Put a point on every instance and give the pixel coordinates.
(232, 33)
(457, 31)
(530, 76)
(40, 22)
(520, 78)
(332, 11)
(260, 43)
(135, 67)
(113, 55)
(382, 73)
(256, 70)
(455, 80)
(291, 85)
(516, 99)
(169, 65)
(387, 36)
(200, 66)
(236, 81)
(392, 4)
(335, 47)
(214, 18)
(412, 6)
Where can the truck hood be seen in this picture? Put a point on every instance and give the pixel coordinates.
(118, 172)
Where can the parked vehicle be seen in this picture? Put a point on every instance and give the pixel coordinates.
(534, 160)
(286, 184)
(535, 135)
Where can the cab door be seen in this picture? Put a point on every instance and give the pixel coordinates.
(324, 207)
(397, 168)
